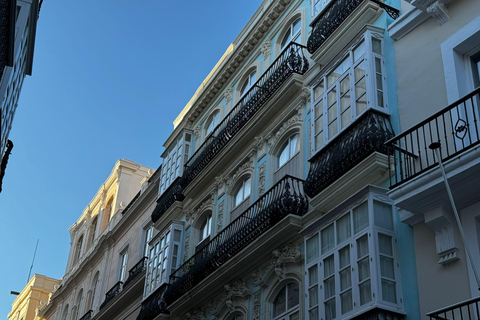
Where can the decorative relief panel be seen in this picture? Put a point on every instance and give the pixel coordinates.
(297, 118)
(187, 247)
(220, 216)
(261, 179)
(256, 305)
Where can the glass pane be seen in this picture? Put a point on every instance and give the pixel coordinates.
(359, 51)
(344, 102)
(363, 269)
(361, 103)
(239, 197)
(319, 141)
(362, 247)
(387, 267)
(247, 188)
(312, 248)
(359, 71)
(379, 81)
(378, 65)
(346, 116)
(332, 129)
(345, 279)
(330, 309)
(365, 292)
(318, 90)
(389, 292)
(319, 109)
(383, 215)
(295, 316)
(360, 218)
(293, 295)
(313, 275)
(329, 287)
(338, 71)
(385, 244)
(344, 256)
(313, 314)
(328, 266)
(376, 46)
(328, 238)
(319, 125)
(344, 229)
(346, 301)
(344, 85)
(313, 296)
(279, 302)
(284, 156)
(380, 101)
(294, 145)
(176, 235)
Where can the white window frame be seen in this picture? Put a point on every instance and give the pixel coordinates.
(288, 312)
(241, 188)
(164, 257)
(320, 102)
(292, 36)
(212, 121)
(372, 232)
(147, 236)
(249, 79)
(123, 265)
(288, 144)
(206, 227)
(318, 6)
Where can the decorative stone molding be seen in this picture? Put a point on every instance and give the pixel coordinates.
(187, 247)
(265, 49)
(440, 221)
(196, 132)
(435, 8)
(220, 216)
(196, 314)
(307, 94)
(297, 118)
(288, 253)
(257, 278)
(261, 179)
(228, 94)
(241, 170)
(236, 288)
(256, 305)
(259, 144)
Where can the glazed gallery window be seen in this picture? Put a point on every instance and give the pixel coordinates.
(288, 150)
(351, 263)
(318, 6)
(353, 85)
(293, 34)
(163, 257)
(248, 82)
(243, 191)
(212, 122)
(148, 234)
(286, 303)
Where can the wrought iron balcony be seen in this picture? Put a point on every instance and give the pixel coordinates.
(112, 293)
(291, 60)
(334, 14)
(284, 198)
(136, 270)
(172, 194)
(87, 316)
(455, 127)
(365, 136)
(467, 310)
(153, 305)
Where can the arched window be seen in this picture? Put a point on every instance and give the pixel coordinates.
(78, 249)
(107, 213)
(286, 303)
(243, 191)
(293, 33)
(212, 122)
(65, 313)
(76, 308)
(248, 82)
(206, 227)
(94, 288)
(93, 230)
(289, 148)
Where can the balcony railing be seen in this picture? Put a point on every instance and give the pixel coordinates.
(291, 60)
(112, 293)
(334, 14)
(172, 194)
(455, 127)
(467, 310)
(284, 198)
(87, 316)
(365, 136)
(136, 270)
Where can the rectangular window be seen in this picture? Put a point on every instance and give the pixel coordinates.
(148, 234)
(318, 6)
(345, 91)
(123, 266)
(350, 262)
(163, 257)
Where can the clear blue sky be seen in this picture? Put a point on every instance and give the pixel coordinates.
(109, 77)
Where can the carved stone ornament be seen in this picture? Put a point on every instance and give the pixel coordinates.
(248, 165)
(256, 305)
(257, 278)
(435, 8)
(297, 118)
(196, 314)
(261, 179)
(220, 216)
(307, 94)
(196, 131)
(236, 288)
(187, 246)
(228, 94)
(440, 220)
(190, 216)
(266, 49)
(288, 253)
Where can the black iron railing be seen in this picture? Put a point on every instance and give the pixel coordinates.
(334, 14)
(153, 305)
(467, 310)
(284, 198)
(291, 60)
(112, 293)
(136, 270)
(172, 194)
(455, 127)
(366, 135)
(87, 316)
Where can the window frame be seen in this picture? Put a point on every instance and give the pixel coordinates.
(288, 311)
(321, 103)
(316, 264)
(289, 33)
(122, 276)
(211, 123)
(240, 186)
(287, 144)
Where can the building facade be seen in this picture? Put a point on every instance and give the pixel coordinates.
(18, 24)
(278, 193)
(437, 52)
(35, 294)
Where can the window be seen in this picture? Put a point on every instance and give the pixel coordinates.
(212, 122)
(94, 288)
(353, 85)
(248, 82)
(123, 266)
(148, 233)
(288, 150)
(475, 59)
(293, 34)
(65, 313)
(318, 6)
(107, 213)
(78, 249)
(206, 228)
(93, 229)
(286, 303)
(347, 257)
(164, 256)
(243, 191)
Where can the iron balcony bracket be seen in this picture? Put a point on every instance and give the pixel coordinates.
(391, 11)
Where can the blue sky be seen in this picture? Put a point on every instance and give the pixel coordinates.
(109, 77)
